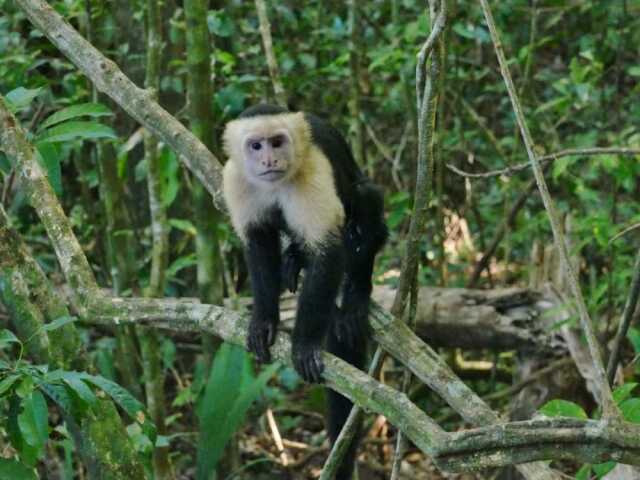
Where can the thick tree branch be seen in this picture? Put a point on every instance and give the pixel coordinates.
(139, 103)
(491, 446)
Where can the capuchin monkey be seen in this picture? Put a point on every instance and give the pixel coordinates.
(292, 175)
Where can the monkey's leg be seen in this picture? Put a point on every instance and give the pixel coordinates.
(362, 241)
(263, 260)
(293, 261)
(316, 309)
(339, 407)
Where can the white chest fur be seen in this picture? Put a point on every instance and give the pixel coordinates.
(309, 203)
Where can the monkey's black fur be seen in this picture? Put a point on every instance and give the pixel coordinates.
(344, 262)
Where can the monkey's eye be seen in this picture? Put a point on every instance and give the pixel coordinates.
(276, 142)
(256, 146)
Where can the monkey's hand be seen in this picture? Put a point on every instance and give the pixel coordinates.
(261, 336)
(293, 262)
(307, 360)
(351, 324)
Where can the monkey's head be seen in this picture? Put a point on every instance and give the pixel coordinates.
(269, 147)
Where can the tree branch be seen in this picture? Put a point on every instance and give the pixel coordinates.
(571, 152)
(267, 43)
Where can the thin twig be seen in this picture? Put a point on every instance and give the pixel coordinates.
(267, 43)
(572, 152)
(624, 232)
(277, 439)
(609, 408)
(427, 104)
(625, 321)
(500, 233)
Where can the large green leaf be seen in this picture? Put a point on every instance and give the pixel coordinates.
(67, 131)
(75, 111)
(34, 420)
(563, 408)
(230, 391)
(13, 470)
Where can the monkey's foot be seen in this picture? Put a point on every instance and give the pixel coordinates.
(307, 360)
(260, 337)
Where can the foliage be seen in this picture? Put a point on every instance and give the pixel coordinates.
(576, 71)
(24, 390)
(221, 411)
(629, 406)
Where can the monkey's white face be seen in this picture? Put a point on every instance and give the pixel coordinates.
(268, 158)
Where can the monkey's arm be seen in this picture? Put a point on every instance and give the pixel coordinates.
(316, 309)
(263, 259)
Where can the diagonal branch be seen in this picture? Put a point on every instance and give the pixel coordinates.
(625, 321)
(608, 405)
(13, 141)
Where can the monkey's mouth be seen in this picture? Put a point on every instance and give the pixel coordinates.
(272, 175)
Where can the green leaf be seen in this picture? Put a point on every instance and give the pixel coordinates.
(7, 383)
(634, 71)
(180, 263)
(67, 131)
(563, 408)
(584, 473)
(121, 396)
(183, 225)
(623, 392)
(49, 157)
(59, 395)
(21, 97)
(7, 337)
(74, 111)
(601, 469)
(14, 470)
(631, 410)
(59, 322)
(221, 411)
(34, 420)
(81, 389)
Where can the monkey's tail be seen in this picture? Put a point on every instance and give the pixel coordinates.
(338, 406)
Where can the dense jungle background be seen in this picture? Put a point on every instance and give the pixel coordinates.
(95, 386)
